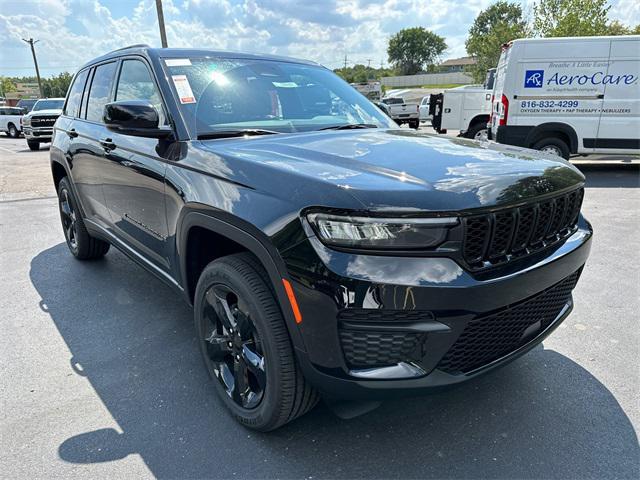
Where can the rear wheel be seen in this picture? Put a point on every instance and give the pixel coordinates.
(13, 131)
(81, 245)
(33, 145)
(246, 347)
(478, 131)
(553, 146)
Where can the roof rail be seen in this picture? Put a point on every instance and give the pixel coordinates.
(137, 45)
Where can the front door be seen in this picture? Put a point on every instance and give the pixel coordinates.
(134, 170)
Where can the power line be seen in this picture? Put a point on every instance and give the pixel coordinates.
(31, 43)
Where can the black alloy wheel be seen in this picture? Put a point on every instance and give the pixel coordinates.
(233, 346)
(68, 217)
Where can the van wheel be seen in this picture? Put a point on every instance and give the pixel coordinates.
(246, 347)
(553, 146)
(33, 145)
(81, 245)
(478, 131)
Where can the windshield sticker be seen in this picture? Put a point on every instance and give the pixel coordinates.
(183, 88)
(285, 84)
(177, 62)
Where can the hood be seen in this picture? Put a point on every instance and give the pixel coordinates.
(401, 170)
(51, 111)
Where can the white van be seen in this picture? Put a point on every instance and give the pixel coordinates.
(566, 96)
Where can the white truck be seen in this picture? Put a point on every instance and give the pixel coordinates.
(578, 95)
(402, 112)
(11, 121)
(465, 108)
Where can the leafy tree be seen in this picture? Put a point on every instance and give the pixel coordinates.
(6, 85)
(571, 18)
(412, 49)
(361, 73)
(617, 28)
(57, 86)
(500, 23)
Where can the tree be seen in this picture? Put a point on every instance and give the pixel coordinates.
(571, 18)
(361, 73)
(6, 85)
(412, 49)
(617, 28)
(493, 27)
(57, 86)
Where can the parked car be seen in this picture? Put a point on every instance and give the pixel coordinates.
(11, 121)
(402, 112)
(26, 104)
(465, 109)
(567, 96)
(324, 249)
(425, 116)
(38, 123)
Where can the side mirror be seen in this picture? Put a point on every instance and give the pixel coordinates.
(134, 117)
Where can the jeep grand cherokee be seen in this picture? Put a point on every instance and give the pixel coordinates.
(324, 249)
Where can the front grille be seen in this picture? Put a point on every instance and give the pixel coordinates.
(490, 338)
(43, 121)
(495, 238)
(378, 348)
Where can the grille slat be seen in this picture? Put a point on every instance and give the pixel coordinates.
(487, 339)
(494, 238)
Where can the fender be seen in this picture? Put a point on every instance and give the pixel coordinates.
(538, 132)
(248, 236)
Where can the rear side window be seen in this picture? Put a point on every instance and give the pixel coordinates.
(100, 91)
(135, 83)
(75, 94)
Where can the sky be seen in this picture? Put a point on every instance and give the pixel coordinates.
(71, 32)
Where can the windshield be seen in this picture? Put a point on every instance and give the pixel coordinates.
(48, 105)
(218, 94)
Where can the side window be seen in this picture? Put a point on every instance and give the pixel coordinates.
(100, 91)
(75, 94)
(2, 111)
(135, 83)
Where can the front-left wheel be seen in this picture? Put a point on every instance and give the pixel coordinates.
(246, 346)
(81, 245)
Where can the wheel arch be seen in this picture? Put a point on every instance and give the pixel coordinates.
(58, 171)
(480, 118)
(196, 226)
(554, 129)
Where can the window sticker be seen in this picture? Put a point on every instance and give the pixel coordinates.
(185, 94)
(285, 84)
(177, 62)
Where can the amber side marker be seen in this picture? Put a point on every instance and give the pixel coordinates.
(292, 300)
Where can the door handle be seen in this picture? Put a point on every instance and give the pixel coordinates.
(107, 144)
(72, 133)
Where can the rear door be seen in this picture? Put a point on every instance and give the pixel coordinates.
(619, 128)
(134, 169)
(87, 151)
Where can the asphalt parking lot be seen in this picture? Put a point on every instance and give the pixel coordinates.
(101, 377)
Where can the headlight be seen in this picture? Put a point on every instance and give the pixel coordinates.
(383, 233)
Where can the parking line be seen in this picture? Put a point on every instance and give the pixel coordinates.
(7, 150)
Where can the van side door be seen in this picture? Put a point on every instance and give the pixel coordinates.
(619, 126)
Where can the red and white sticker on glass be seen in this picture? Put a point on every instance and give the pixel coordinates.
(185, 94)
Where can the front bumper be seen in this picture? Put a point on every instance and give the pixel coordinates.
(386, 299)
(43, 134)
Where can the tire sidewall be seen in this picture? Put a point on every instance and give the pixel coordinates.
(261, 416)
(556, 142)
(64, 186)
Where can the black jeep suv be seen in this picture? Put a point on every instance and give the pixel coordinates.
(324, 249)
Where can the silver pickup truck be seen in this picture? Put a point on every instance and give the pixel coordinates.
(402, 112)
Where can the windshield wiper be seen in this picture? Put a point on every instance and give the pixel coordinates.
(235, 132)
(349, 126)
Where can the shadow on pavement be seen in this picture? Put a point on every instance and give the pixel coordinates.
(132, 338)
(611, 176)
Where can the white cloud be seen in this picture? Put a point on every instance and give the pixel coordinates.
(72, 32)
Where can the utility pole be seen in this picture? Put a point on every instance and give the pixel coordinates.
(381, 64)
(163, 33)
(345, 61)
(31, 43)
(368, 63)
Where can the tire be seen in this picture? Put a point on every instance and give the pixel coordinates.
(275, 394)
(13, 131)
(553, 146)
(33, 145)
(415, 124)
(81, 245)
(477, 131)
